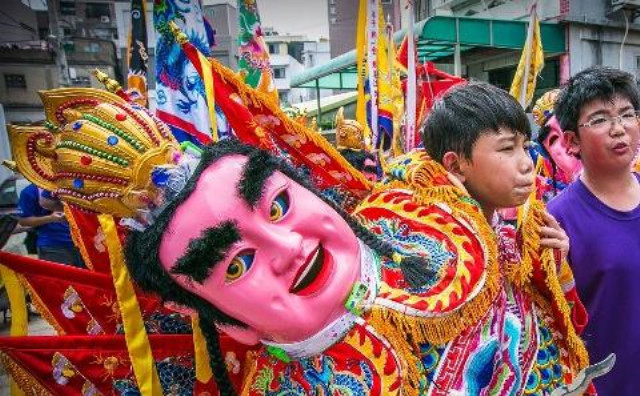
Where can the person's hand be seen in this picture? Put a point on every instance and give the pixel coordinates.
(553, 236)
(57, 217)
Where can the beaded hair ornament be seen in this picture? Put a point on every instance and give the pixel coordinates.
(99, 152)
(543, 109)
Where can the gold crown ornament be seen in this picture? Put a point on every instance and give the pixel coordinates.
(96, 151)
(349, 133)
(543, 109)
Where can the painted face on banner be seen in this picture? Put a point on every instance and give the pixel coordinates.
(557, 147)
(290, 271)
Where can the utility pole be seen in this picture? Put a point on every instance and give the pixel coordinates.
(55, 37)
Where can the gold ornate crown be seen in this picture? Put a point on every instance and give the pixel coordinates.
(349, 133)
(96, 151)
(543, 109)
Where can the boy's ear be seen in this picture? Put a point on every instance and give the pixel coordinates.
(452, 163)
(572, 142)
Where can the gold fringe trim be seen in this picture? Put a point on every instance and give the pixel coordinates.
(521, 274)
(406, 333)
(263, 100)
(41, 306)
(77, 239)
(250, 369)
(25, 380)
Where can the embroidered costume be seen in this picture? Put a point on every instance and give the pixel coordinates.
(471, 328)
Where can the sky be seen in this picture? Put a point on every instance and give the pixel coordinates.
(306, 17)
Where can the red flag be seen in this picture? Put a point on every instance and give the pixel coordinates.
(82, 365)
(79, 302)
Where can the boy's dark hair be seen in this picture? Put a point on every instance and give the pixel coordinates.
(467, 111)
(357, 159)
(594, 83)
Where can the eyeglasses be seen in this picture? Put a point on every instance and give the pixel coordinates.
(603, 122)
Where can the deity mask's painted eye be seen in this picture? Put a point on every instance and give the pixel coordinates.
(279, 206)
(239, 266)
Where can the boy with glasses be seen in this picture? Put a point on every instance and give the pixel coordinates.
(598, 110)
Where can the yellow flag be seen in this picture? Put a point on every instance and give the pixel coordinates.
(531, 63)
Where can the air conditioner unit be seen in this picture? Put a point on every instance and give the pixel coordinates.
(448, 3)
(105, 19)
(625, 4)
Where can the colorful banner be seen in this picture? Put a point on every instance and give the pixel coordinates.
(180, 92)
(253, 51)
(260, 122)
(531, 63)
(410, 123)
(372, 68)
(361, 42)
(137, 54)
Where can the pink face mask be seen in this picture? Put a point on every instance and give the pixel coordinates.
(556, 147)
(292, 269)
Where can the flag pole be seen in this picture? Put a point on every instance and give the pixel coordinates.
(410, 134)
(528, 46)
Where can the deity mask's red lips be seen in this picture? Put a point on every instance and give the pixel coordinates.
(312, 276)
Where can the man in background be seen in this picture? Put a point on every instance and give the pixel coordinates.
(53, 235)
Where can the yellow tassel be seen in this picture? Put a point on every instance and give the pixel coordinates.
(75, 236)
(19, 315)
(521, 275)
(135, 334)
(22, 377)
(203, 368)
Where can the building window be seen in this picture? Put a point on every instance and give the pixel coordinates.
(385, 1)
(97, 10)
(332, 2)
(15, 81)
(279, 72)
(332, 10)
(272, 48)
(68, 7)
(333, 20)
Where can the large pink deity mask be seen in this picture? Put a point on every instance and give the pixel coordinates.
(557, 148)
(287, 260)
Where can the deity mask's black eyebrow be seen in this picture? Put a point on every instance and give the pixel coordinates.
(205, 251)
(259, 167)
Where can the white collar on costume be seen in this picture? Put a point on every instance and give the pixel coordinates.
(335, 331)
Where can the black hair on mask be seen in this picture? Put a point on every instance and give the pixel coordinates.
(259, 168)
(594, 83)
(467, 111)
(354, 157)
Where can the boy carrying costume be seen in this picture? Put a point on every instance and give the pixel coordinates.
(413, 293)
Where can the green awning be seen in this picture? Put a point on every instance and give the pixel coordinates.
(436, 38)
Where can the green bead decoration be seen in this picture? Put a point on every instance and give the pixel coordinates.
(135, 143)
(92, 151)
